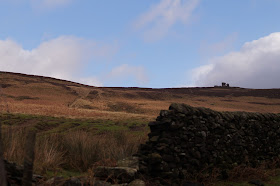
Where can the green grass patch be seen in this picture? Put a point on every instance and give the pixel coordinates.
(274, 181)
(48, 124)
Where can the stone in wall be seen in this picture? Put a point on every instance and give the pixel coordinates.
(185, 140)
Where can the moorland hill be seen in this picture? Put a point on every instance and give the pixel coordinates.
(30, 94)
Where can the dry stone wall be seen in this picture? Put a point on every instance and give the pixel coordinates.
(185, 140)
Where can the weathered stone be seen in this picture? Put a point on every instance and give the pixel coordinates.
(256, 182)
(197, 155)
(72, 182)
(54, 181)
(123, 174)
(167, 158)
(181, 108)
(154, 138)
(137, 182)
(164, 113)
(203, 134)
(101, 183)
(132, 162)
(165, 140)
(187, 183)
(155, 158)
(195, 162)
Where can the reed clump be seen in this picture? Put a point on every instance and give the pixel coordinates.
(74, 150)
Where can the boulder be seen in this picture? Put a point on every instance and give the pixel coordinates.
(119, 174)
(131, 162)
(137, 182)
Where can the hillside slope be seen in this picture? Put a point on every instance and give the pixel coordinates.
(21, 93)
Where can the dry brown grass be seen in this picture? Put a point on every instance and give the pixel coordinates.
(55, 98)
(63, 111)
(263, 172)
(48, 154)
(84, 150)
(76, 150)
(239, 174)
(146, 108)
(81, 103)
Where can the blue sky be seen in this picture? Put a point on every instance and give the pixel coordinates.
(147, 43)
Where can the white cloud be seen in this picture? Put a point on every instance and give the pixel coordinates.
(161, 17)
(90, 81)
(63, 57)
(125, 72)
(256, 65)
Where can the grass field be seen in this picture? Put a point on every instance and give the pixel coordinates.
(51, 97)
(81, 126)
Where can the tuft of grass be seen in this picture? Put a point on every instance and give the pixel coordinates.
(49, 155)
(82, 150)
(13, 142)
(75, 150)
(63, 173)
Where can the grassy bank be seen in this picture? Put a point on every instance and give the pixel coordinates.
(73, 145)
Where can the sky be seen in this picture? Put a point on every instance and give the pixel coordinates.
(145, 43)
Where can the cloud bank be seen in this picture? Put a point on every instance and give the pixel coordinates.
(66, 57)
(63, 57)
(156, 22)
(256, 65)
(125, 72)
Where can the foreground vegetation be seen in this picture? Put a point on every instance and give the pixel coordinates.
(66, 146)
(73, 147)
